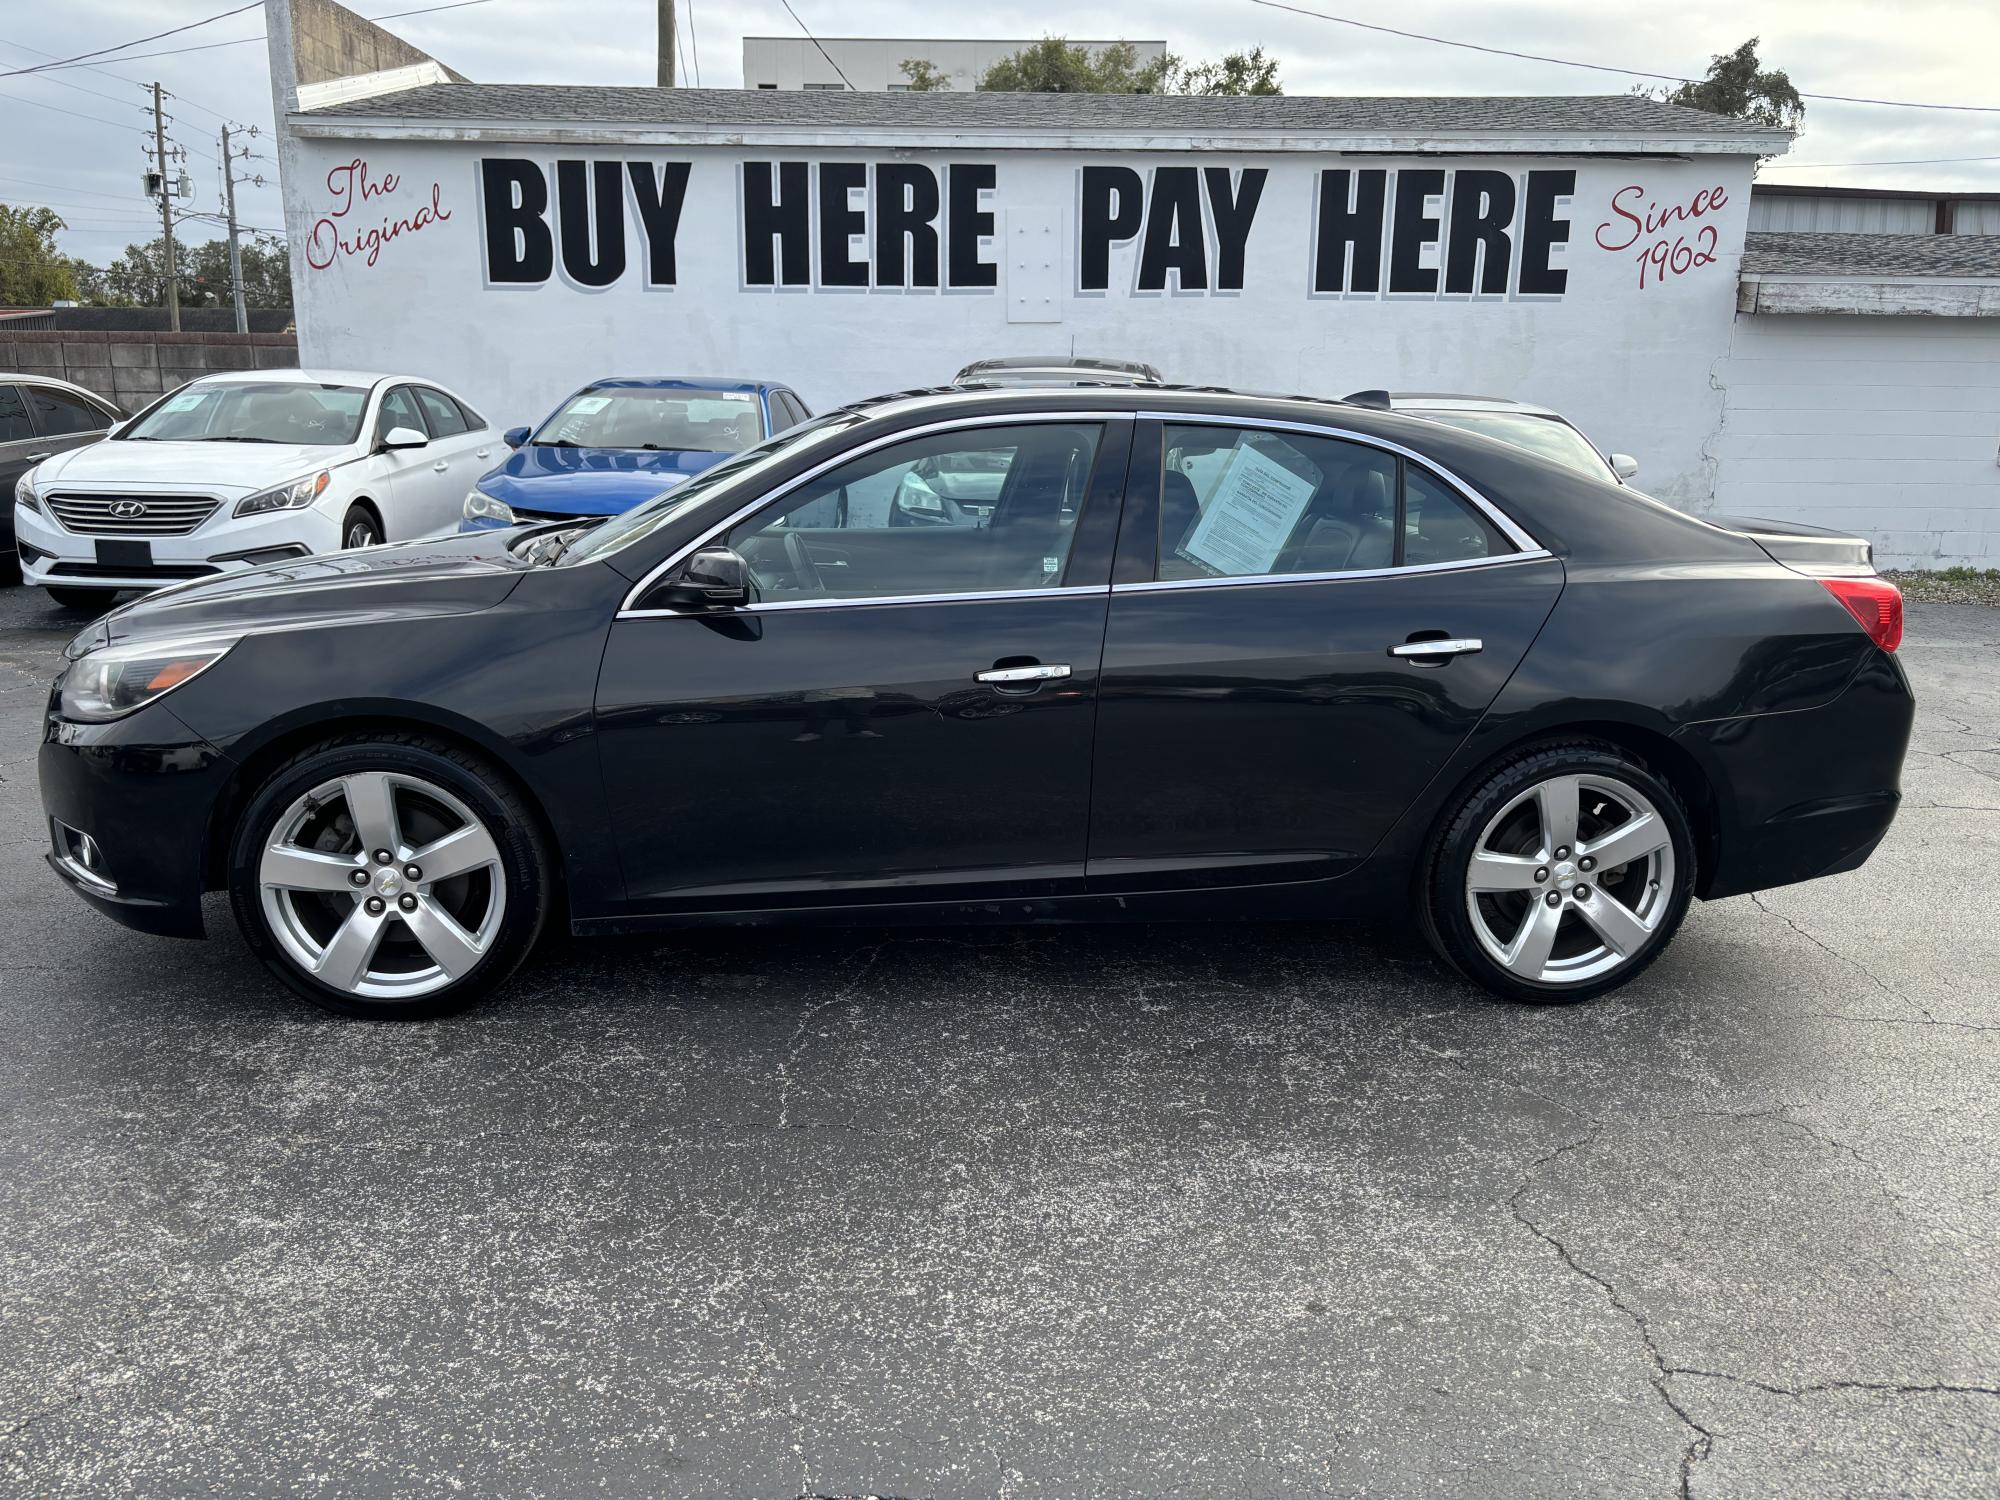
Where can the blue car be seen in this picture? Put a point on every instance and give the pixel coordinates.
(617, 442)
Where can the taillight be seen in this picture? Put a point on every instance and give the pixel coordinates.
(1876, 603)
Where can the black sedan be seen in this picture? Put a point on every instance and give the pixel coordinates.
(1196, 654)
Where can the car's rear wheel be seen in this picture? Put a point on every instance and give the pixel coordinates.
(1561, 875)
(392, 876)
(91, 601)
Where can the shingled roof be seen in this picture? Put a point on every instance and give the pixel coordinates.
(1880, 257)
(1622, 115)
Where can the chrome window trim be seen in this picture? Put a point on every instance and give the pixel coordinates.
(1507, 525)
(629, 610)
(1265, 580)
(779, 605)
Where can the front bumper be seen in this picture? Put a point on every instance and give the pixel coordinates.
(142, 789)
(52, 556)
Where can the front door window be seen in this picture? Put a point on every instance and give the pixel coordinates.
(978, 510)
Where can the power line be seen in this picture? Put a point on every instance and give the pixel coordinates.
(822, 51)
(694, 44)
(1567, 62)
(1921, 161)
(241, 41)
(680, 50)
(74, 114)
(137, 41)
(105, 73)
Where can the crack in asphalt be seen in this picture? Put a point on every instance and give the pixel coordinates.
(1703, 1442)
(1822, 1387)
(1757, 900)
(797, 1046)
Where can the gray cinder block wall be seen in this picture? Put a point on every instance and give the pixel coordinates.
(133, 368)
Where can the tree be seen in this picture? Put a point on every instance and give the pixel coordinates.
(1053, 66)
(924, 77)
(1735, 85)
(33, 272)
(1238, 73)
(138, 278)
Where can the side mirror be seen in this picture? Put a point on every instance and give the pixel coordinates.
(714, 578)
(1624, 465)
(404, 437)
(513, 437)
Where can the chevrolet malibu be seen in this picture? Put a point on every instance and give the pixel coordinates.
(1365, 665)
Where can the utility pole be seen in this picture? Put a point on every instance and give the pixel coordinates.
(166, 212)
(667, 43)
(235, 256)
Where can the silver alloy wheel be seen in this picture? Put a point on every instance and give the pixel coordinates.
(360, 534)
(383, 928)
(1570, 879)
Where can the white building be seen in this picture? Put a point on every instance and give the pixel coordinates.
(875, 64)
(1588, 253)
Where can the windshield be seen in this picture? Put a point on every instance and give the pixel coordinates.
(687, 421)
(648, 517)
(255, 411)
(1549, 437)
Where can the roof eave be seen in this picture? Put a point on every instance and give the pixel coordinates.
(1751, 142)
(1869, 295)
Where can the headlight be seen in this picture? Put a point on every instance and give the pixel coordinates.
(480, 506)
(111, 681)
(25, 496)
(294, 496)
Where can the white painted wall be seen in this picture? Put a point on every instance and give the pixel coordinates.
(1886, 425)
(1632, 364)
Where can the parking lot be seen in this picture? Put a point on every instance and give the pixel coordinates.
(1190, 1210)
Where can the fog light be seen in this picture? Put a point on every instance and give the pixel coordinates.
(77, 852)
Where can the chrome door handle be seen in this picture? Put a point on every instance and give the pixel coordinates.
(482, 453)
(35, 458)
(1438, 648)
(441, 465)
(1023, 674)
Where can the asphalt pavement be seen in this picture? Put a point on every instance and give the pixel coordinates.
(1194, 1210)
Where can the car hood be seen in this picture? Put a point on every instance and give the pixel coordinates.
(451, 576)
(229, 469)
(590, 481)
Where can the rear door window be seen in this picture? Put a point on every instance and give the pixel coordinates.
(1250, 503)
(445, 419)
(60, 414)
(14, 424)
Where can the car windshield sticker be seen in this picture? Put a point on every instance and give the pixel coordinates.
(1256, 503)
(735, 395)
(184, 401)
(583, 406)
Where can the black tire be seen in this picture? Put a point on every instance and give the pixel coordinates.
(360, 527)
(90, 601)
(1443, 904)
(489, 795)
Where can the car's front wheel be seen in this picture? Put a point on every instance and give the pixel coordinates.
(388, 876)
(360, 528)
(1561, 875)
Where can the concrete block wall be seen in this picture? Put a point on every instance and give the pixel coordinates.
(329, 41)
(133, 368)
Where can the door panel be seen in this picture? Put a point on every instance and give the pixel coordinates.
(847, 754)
(1263, 732)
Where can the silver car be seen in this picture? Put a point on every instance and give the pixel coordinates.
(1536, 428)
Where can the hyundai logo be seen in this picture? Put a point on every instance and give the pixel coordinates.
(126, 510)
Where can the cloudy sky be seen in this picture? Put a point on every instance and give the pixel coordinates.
(74, 139)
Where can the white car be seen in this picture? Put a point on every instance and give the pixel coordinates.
(1539, 429)
(236, 470)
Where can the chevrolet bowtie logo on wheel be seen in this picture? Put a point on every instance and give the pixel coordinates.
(125, 510)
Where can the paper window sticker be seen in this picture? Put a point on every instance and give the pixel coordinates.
(1255, 507)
